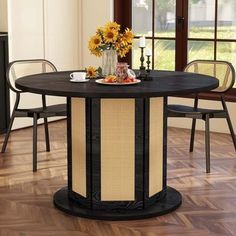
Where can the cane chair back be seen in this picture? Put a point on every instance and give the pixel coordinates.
(22, 68)
(221, 70)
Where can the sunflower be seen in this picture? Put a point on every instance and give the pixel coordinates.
(128, 36)
(96, 52)
(99, 31)
(110, 36)
(91, 71)
(95, 42)
(112, 26)
(124, 50)
(117, 46)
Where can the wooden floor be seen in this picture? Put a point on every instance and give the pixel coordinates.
(209, 200)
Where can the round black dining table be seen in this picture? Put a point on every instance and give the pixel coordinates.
(117, 143)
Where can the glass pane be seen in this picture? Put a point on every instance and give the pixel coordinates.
(226, 52)
(201, 18)
(226, 19)
(200, 50)
(165, 18)
(164, 55)
(136, 53)
(142, 17)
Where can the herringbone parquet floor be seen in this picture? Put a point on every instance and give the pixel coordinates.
(209, 200)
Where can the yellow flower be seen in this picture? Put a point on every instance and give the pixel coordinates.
(95, 42)
(91, 71)
(123, 41)
(128, 36)
(112, 26)
(110, 36)
(100, 31)
(96, 52)
(124, 50)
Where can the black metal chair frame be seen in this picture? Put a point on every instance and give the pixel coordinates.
(35, 113)
(205, 114)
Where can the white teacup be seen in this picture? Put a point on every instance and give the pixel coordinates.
(78, 76)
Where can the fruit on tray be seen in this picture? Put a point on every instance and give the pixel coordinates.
(113, 79)
(129, 80)
(110, 79)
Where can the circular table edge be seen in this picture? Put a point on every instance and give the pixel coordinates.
(116, 94)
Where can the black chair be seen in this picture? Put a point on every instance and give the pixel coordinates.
(225, 73)
(17, 69)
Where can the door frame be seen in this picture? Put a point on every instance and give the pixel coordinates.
(123, 16)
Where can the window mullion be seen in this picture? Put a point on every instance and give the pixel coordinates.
(153, 32)
(216, 26)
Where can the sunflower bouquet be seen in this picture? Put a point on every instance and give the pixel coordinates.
(111, 37)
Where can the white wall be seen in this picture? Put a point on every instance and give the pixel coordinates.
(3, 15)
(217, 125)
(43, 29)
(57, 30)
(62, 24)
(25, 27)
(94, 14)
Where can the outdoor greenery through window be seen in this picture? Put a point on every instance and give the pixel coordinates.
(159, 29)
(211, 32)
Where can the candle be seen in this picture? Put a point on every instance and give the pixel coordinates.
(142, 43)
(148, 52)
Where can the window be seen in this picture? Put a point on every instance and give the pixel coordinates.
(155, 19)
(212, 30)
(179, 31)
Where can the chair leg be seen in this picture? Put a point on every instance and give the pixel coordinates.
(231, 129)
(46, 134)
(207, 143)
(192, 135)
(4, 146)
(193, 126)
(35, 142)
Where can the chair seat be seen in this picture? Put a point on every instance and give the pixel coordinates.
(188, 111)
(53, 110)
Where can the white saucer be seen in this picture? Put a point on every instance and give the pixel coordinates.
(78, 81)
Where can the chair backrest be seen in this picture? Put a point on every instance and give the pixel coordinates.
(222, 70)
(20, 68)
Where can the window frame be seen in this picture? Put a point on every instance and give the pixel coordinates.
(123, 16)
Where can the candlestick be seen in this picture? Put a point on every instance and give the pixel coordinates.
(142, 42)
(148, 63)
(148, 52)
(142, 69)
(148, 76)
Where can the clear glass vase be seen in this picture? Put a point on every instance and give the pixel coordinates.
(109, 61)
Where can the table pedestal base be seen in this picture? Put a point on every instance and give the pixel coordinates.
(171, 202)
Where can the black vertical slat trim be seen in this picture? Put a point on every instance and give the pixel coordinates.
(88, 149)
(69, 144)
(96, 152)
(139, 158)
(164, 142)
(7, 92)
(146, 151)
(4, 89)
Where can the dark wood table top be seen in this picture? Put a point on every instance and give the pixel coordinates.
(164, 83)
